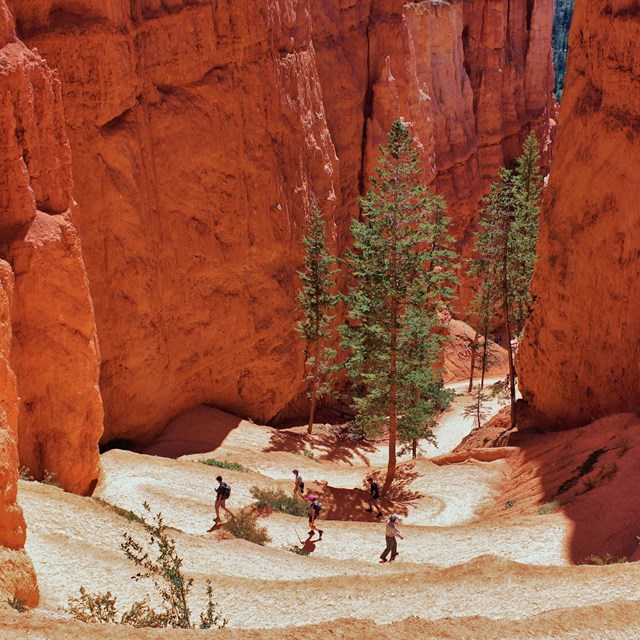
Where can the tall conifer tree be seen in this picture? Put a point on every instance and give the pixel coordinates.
(316, 299)
(506, 249)
(402, 272)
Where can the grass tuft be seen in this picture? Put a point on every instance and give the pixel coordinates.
(223, 464)
(278, 500)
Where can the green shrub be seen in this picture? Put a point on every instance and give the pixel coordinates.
(509, 503)
(308, 454)
(16, 603)
(159, 561)
(278, 500)
(550, 507)
(223, 464)
(244, 525)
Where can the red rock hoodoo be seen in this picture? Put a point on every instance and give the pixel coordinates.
(202, 132)
(579, 359)
(50, 346)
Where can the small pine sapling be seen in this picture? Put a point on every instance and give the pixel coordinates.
(316, 299)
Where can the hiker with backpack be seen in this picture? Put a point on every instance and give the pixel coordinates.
(374, 496)
(391, 533)
(314, 507)
(223, 491)
(298, 487)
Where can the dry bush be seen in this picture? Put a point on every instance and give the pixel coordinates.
(245, 526)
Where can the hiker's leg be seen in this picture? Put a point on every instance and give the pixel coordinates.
(394, 547)
(217, 509)
(388, 548)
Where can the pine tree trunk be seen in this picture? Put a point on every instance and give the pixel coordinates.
(414, 448)
(484, 355)
(393, 418)
(512, 388)
(473, 359)
(393, 435)
(316, 365)
(314, 399)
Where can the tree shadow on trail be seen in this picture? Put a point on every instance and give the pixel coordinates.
(351, 504)
(324, 447)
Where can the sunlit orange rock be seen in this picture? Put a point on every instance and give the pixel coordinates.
(579, 359)
(202, 133)
(17, 577)
(52, 339)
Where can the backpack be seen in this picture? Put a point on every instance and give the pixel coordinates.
(317, 506)
(225, 490)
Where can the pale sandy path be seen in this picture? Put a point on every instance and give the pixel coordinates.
(454, 563)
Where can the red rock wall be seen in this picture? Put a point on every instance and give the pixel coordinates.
(201, 132)
(52, 345)
(580, 358)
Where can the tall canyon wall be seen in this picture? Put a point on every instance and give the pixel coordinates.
(201, 133)
(580, 358)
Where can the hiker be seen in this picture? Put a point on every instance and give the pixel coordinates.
(314, 507)
(298, 487)
(391, 533)
(223, 492)
(374, 496)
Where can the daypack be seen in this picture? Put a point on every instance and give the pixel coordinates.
(225, 490)
(317, 506)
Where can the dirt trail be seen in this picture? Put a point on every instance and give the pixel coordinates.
(466, 552)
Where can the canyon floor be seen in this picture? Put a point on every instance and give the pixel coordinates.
(495, 538)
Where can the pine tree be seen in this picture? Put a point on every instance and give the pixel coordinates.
(506, 245)
(316, 299)
(527, 188)
(401, 270)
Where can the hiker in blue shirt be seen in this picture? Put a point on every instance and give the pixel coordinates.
(374, 496)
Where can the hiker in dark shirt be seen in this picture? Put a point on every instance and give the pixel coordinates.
(374, 496)
(223, 491)
(298, 486)
(314, 507)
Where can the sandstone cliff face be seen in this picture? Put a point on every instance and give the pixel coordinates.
(201, 133)
(17, 576)
(580, 358)
(50, 345)
(199, 140)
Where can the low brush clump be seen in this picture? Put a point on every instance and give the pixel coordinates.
(245, 525)
(123, 513)
(550, 507)
(16, 603)
(160, 562)
(607, 558)
(223, 464)
(278, 500)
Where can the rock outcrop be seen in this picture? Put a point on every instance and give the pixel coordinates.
(53, 402)
(580, 357)
(201, 134)
(17, 576)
